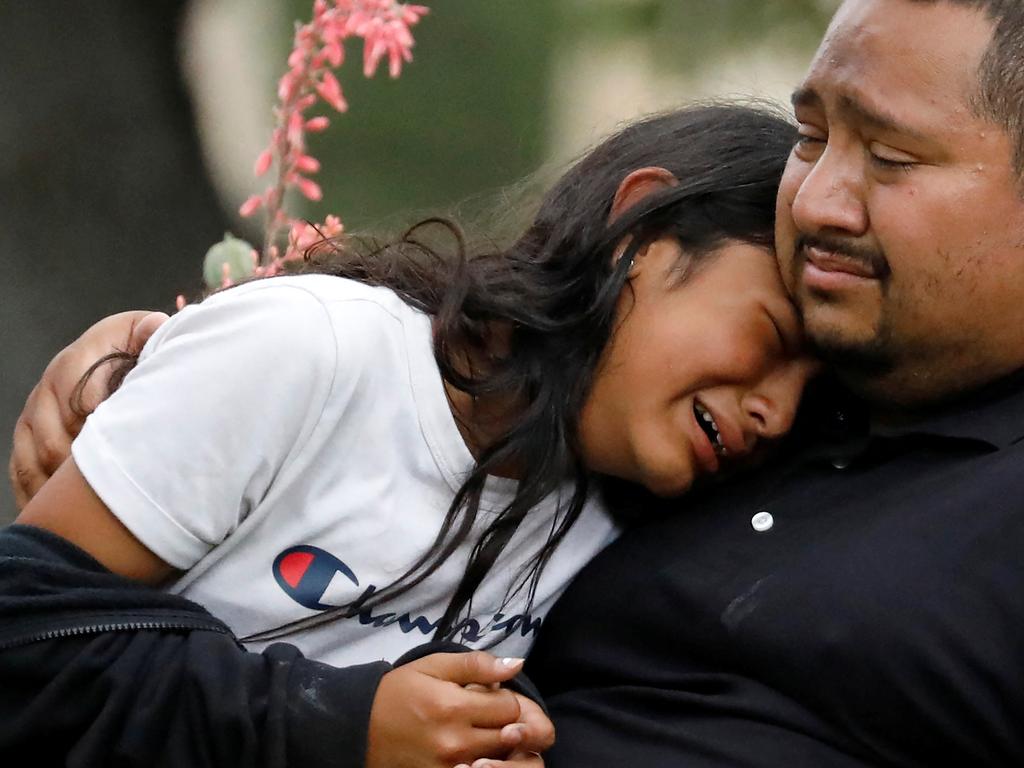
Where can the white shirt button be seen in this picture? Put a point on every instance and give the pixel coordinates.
(762, 521)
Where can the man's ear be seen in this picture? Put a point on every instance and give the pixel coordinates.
(639, 184)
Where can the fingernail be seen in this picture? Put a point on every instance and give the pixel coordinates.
(511, 662)
(513, 732)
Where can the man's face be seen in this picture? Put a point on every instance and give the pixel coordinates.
(900, 217)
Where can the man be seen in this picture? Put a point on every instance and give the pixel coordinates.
(858, 601)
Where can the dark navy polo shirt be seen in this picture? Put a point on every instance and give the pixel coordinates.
(859, 602)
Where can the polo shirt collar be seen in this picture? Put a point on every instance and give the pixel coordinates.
(993, 414)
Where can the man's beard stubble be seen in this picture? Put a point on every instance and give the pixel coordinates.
(856, 361)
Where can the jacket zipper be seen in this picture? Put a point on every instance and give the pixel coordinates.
(127, 626)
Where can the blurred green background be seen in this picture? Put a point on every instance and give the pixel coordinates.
(129, 129)
(500, 89)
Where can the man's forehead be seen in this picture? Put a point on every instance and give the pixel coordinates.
(918, 40)
(895, 63)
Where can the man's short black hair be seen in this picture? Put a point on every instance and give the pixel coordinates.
(1001, 76)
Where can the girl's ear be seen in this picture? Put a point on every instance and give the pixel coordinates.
(639, 184)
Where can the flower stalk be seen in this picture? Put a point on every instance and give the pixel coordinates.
(317, 54)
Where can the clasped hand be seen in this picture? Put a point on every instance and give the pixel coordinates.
(443, 711)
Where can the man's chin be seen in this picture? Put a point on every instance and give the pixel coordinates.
(848, 334)
(856, 354)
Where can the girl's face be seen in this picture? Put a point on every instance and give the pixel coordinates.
(696, 373)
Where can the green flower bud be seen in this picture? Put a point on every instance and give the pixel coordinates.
(234, 252)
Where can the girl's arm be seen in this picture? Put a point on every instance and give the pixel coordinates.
(444, 720)
(421, 716)
(98, 669)
(67, 506)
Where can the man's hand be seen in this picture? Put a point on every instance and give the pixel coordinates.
(48, 423)
(424, 717)
(518, 759)
(536, 735)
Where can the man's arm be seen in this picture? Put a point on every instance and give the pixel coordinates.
(50, 420)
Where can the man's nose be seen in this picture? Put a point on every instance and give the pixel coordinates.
(831, 197)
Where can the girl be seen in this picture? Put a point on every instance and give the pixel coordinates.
(403, 447)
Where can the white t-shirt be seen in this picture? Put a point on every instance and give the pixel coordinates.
(288, 444)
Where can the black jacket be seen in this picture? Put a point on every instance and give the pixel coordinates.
(96, 670)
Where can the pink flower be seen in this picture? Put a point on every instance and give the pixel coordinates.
(395, 57)
(266, 157)
(317, 124)
(287, 86)
(372, 53)
(330, 91)
(332, 226)
(297, 58)
(318, 50)
(309, 188)
(334, 54)
(305, 102)
(250, 206)
(307, 164)
(302, 237)
(411, 14)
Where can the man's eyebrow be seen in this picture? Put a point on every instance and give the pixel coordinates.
(877, 119)
(848, 105)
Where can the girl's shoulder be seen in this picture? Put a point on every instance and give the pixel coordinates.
(351, 311)
(325, 289)
(301, 320)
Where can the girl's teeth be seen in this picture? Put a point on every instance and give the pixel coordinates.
(716, 441)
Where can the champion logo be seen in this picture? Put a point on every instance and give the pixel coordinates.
(314, 578)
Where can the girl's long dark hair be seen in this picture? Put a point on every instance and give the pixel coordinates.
(554, 293)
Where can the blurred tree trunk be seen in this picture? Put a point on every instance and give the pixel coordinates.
(104, 198)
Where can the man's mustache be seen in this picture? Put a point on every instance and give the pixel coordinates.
(872, 260)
